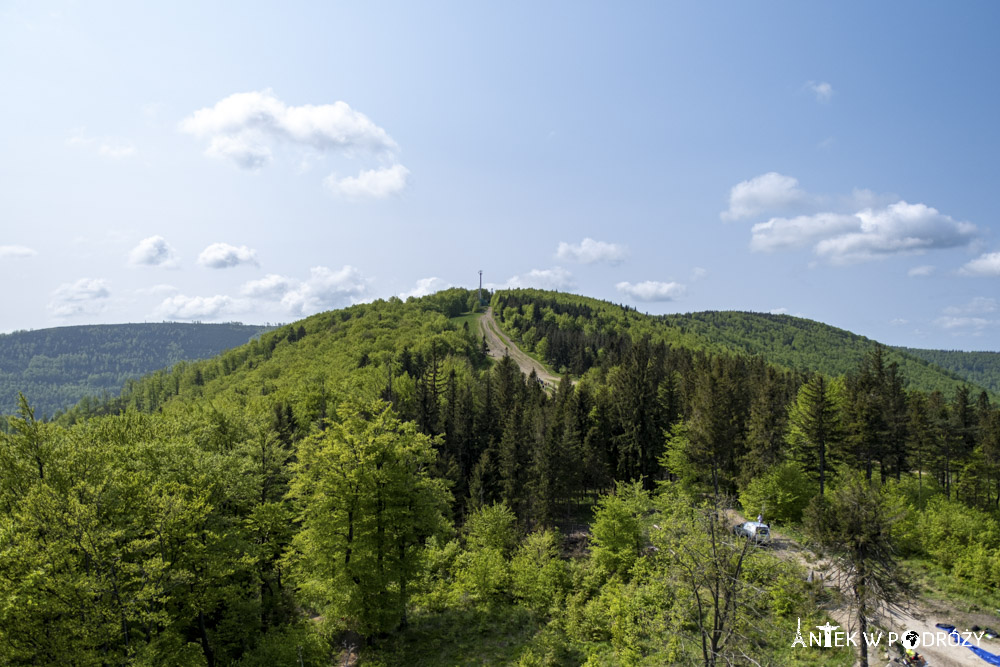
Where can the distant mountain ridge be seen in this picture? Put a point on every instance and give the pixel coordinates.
(981, 368)
(55, 368)
(799, 343)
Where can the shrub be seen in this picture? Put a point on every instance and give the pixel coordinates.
(781, 493)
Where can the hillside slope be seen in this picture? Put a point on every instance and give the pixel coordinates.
(55, 368)
(551, 324)
(799, 343)
(980, 368)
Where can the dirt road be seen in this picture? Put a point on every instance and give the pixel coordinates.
(920, 615)
(499, 345)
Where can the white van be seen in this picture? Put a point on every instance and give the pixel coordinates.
(754, 530)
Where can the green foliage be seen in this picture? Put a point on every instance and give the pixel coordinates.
(288, 645)
(538, 575)
(484, 569)
(619, 529)
(781, 494)
(367, 504)
(235, 509)
(860, 523)
(492, 527)
(954, 535)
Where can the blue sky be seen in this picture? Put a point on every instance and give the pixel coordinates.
(261, 162)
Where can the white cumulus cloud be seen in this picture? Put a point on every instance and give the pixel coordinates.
(224, 256)
(182, 307)
(247, 129)
(977, 306)
(652, 290)
(974, 325)
(556, 278)
(370, 183)
(426, 286)
(157, 290)
(17, 251)
(153, 251)
(86, 295)
(920, 271)
(325, 289)
(987, 264)
(789, 233)
(900, 228)
(590, 251)
(768, 192)
(271, 287)
(821, 89)
(973, 318)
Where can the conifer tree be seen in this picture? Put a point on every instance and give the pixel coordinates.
(814, 428)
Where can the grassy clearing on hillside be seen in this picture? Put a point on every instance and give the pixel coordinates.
(470, 318)
(964, 595)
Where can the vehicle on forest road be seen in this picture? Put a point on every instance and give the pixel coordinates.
(753, 530)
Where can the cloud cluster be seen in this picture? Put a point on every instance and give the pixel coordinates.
(224, 256)
(987, 265)
(978, 306)
(86, 295)
(556, 278)
(153, 251)
(921, 271)
(859, 227)
(183, 307)
(17, 251)
(426, 286)
(322, 290)
(325, 289)
(968, 318)
(652, 290)
(822, 90)
(270, 288)
(370, 183)
(246, 128)
(900, 228)
(590, 251)
(768, 192)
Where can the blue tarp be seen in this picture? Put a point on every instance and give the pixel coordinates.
(991, 658)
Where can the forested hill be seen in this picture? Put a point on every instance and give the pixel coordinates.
(568, 332)
(369, 476)
(799, 343)
(55, 368)
(981, 368)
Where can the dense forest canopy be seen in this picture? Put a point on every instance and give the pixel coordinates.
(979, 368)
(799, 343)
(56, 368)
(370, 479)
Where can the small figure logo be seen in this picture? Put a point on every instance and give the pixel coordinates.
(827, 633)
(911, 639)
(798, 636)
